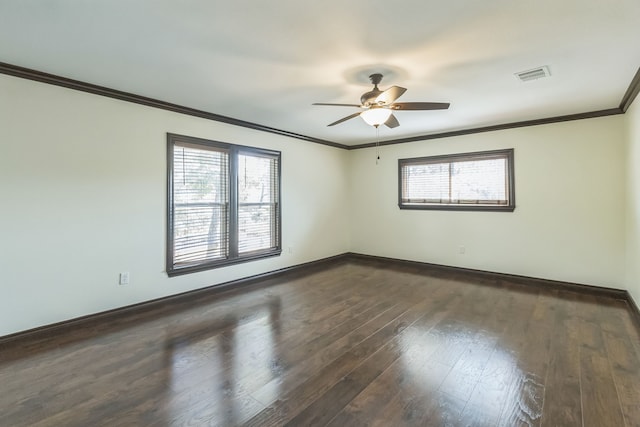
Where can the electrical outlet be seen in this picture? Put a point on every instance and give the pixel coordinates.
(124, 278)
(462, 250)
(290, 249)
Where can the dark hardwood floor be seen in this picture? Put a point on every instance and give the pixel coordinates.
(352, 344)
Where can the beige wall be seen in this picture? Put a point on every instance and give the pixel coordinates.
(83, 187)
(568, 224)
(633, 196)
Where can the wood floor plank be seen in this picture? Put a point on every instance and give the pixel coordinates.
(322, 410)
(420, 373)
(501, 377)
(352, 344)
(406, 379)
(434, 409)
(600, 403)
(313, 363)
(361, 377)
(478, 348)
(623, 359)
(626, 376)
(562, 400)
(526, 405)
(297, 399)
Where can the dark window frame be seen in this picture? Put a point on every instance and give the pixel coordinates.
(233, 256)
(452, 158)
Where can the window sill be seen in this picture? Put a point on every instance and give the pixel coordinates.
(222, 263)
(484, 208)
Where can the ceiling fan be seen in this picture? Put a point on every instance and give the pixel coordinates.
(378, 105)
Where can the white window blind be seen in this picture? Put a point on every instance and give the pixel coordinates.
(257, 202)
(200, 203)
(482, 181)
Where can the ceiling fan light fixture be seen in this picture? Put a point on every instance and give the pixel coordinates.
(376, 116)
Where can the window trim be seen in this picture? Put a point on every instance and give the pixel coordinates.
(450, 158)
(234, 257)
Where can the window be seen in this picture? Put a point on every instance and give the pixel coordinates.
(223, 204)
(471, 181)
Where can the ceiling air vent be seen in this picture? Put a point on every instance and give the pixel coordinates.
(536, 73)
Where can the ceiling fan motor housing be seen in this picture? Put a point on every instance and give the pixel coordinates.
(368, 98)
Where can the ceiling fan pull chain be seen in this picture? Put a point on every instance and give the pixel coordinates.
(377, 144)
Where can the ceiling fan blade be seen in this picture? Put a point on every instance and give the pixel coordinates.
(392, 122)
(337, 105)
(420, 106)
(390, 95)
(344, 119)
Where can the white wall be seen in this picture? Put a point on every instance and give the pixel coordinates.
(633, 197)
(569, 219)
(83, 190)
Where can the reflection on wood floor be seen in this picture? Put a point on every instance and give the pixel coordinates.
(352, 344)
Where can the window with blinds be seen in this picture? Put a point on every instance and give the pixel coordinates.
(469, 181)
(223, 204)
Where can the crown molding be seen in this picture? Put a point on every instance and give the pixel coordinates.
(39, 76)
(526, 123)
(631, 93)
(627, 99)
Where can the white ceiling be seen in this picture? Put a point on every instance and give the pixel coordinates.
(266, 62)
